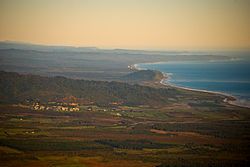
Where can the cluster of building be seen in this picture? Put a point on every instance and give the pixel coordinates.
(74, 107)
(56, 107)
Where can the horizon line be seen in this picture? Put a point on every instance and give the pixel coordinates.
(125, 48)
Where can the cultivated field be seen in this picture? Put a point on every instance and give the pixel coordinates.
(125, 136)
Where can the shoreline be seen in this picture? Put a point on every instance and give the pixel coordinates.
(229, 99)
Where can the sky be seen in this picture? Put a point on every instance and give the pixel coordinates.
(132, 24)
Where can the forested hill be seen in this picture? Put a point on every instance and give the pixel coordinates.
(15, 88)
(143, 75)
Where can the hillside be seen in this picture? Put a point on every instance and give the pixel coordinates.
(84, 62)
(18, 88)
(143, 75)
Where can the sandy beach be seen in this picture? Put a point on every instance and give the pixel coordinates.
(228, 98)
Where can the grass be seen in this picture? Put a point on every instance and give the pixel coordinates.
(63, 161)
(8, 150)
(99, 138)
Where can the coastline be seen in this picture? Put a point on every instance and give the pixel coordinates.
(228, 98)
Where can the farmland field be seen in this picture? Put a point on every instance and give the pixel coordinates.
(140, 136)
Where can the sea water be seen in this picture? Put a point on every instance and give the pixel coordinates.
(231, 77)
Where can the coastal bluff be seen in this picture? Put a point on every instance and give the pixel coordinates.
(143, 75)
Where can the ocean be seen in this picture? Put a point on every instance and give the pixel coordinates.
(229, 76)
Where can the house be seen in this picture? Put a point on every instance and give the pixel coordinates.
(118, 114)
(36, 106)
(74, 109)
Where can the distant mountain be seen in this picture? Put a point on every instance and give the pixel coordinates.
(84, 62)
(45, 48)
(54, 48)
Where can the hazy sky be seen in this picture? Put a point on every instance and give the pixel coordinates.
(137, 24)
